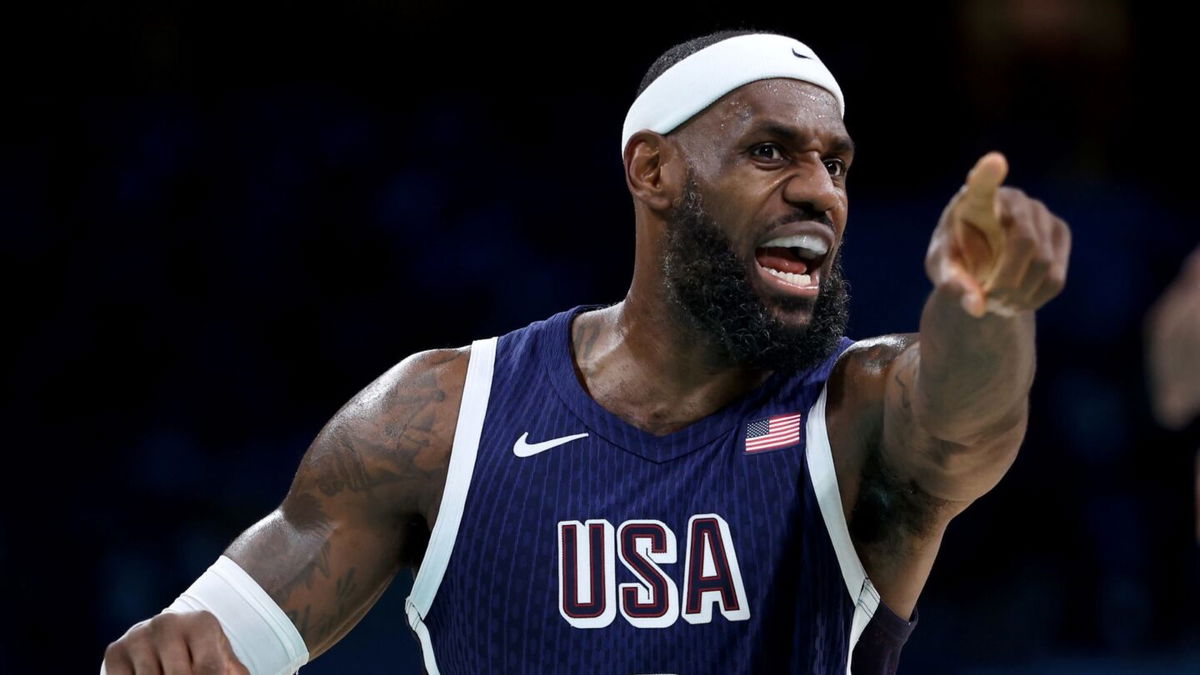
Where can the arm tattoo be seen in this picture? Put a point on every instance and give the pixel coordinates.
(905, 401)
(346, 596)
(305, 577)
(300, 621)
(341, 534)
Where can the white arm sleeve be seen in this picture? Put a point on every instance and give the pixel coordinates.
(262, 636)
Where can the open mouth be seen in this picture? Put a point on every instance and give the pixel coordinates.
(793, 263)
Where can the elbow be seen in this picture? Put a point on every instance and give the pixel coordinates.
(1006, 427)
(963, 471)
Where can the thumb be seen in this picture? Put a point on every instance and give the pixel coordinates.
(960, 284)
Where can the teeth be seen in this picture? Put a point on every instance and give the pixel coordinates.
(804, 241)
(795, 279)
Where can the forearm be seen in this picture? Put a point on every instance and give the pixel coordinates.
(957, 400)
(973, 374)
(324, 577)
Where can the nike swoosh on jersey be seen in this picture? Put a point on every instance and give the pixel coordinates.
(803, 56)
(523, 449)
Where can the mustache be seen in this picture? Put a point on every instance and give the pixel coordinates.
(692, 207)
(804, 215)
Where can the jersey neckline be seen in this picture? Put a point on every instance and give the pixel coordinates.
(560, 363)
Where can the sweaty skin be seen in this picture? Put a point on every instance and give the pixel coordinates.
(920, 425)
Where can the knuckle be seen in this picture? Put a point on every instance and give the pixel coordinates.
(134, 640)
(159, 629)
(1047, 290)
(1058, 280)
(1011, 194)
(1024, 242)
(163, 626)
(206, 621)
(116, 650)
(197, 622)
(199, 616)
(209, 664)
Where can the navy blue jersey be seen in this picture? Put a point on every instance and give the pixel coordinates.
(569, 541)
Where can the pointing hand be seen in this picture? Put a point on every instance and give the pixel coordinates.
(999, 249)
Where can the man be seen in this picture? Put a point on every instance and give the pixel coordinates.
(704, 477)
(1173, 356)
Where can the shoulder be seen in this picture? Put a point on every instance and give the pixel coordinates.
(876, 353)
(854, 407)
(860, 375)
(392, 439)
(420, 393)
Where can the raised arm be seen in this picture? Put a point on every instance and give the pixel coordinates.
(939, 416)
(957, 399)
(360, 507)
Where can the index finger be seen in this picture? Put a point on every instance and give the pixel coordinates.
(978, 206)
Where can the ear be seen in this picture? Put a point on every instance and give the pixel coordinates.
(654, 170)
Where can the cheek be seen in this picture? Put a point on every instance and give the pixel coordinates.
(841, 214)
(733, 223)
(843, 201)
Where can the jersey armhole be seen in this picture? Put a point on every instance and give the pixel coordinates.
(821, 470)
(476, 390)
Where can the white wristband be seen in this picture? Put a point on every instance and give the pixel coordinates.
(262, 636)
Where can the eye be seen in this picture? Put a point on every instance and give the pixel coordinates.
(772, 151)
(836, 167)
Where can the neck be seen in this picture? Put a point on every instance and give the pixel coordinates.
(648, 365)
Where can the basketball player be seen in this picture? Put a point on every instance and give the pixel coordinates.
(706, 477)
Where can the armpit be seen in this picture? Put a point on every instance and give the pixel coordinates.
(890, 510)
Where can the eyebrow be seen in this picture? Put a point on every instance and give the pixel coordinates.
(840, 144)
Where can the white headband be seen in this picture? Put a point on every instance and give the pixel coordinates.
(697, 81)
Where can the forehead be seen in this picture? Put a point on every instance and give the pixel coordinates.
(782, 100)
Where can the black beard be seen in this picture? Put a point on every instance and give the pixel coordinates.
(707, 281)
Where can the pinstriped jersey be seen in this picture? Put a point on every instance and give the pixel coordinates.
(569, 541)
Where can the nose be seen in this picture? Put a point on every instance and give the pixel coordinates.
(811, 187)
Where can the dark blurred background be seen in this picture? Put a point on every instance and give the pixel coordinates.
(220, 223)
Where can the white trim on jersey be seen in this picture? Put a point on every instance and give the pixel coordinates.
(824, 480)
(476, 390)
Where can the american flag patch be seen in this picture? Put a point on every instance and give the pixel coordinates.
(779, 431)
